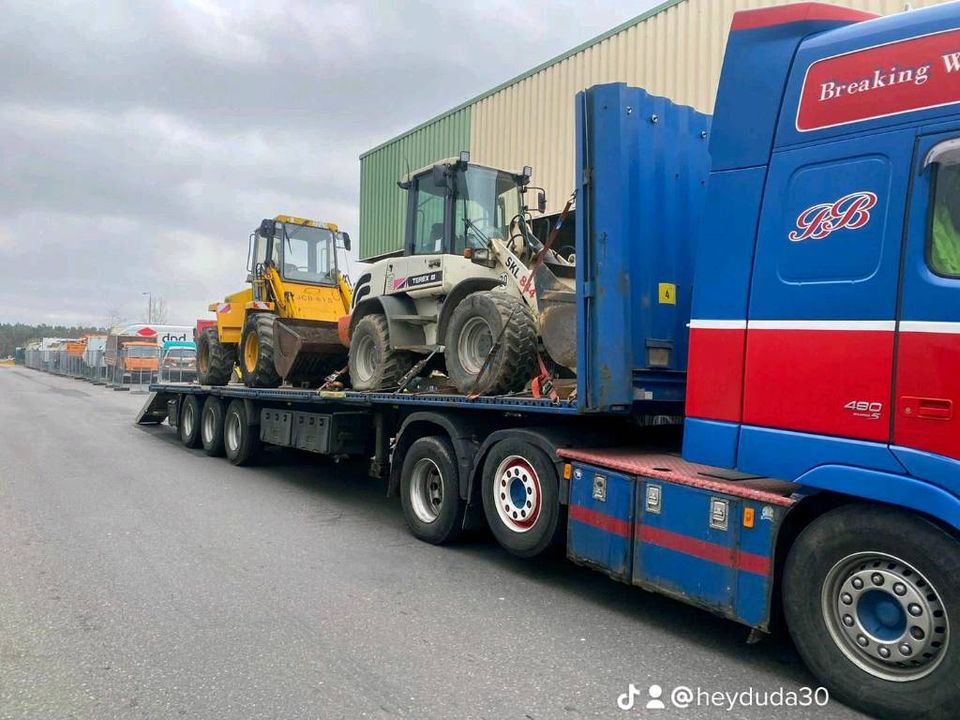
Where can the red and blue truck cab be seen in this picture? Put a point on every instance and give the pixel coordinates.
(821, 450)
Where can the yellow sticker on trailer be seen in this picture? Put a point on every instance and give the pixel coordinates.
(668, 294)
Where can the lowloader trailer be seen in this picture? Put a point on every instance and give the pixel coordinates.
(782, 283)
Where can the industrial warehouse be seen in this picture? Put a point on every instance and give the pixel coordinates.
(674, 50)
(642, 397)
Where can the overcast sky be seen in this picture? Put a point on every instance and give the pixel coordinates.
(140, 142)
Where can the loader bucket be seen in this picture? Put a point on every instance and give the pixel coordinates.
(306, 351)
(558, 327)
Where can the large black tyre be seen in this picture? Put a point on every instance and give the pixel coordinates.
(241, 439)
(215, 360)
(188, 422)
(475, 325)
(256, 352)
(374, 364)
(430, 491)
(871, 596)
(211, 426)
(521, 497)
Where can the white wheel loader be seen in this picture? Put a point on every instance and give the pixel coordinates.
(473, 286)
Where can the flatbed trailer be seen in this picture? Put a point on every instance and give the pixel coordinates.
(439, 451)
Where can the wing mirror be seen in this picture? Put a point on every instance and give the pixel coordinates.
(345, 240)
(542, 201)
(267, 228)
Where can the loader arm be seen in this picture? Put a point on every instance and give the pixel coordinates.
(346, 291)
(515, 274)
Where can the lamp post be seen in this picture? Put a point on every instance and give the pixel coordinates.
(149, 305)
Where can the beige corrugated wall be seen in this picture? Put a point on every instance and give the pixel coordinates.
(676, 53)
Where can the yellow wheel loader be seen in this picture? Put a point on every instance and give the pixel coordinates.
(283, 328)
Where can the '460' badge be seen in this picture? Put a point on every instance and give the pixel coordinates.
(851, 212)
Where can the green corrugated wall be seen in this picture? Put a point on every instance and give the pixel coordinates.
(382, 203)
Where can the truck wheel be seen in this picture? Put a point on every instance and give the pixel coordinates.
(211, 426)
(256, 352)
(521, 497)
(475, 325)
(241, 440)
(215, 360)
(871, 596)
(189, 422)
(373, 363)
(430, 491)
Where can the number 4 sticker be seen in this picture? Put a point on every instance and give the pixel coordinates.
(668, 294)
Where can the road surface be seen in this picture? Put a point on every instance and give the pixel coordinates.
(142, 580)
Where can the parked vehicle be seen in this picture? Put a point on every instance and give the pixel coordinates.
(178, 362)
(811, 251)
(139, 362)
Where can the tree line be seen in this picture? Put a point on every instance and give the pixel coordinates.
(14, 335)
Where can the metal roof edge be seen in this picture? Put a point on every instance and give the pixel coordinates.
(662, 7)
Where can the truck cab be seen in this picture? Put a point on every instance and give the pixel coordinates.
(139, 362)
(825, 330)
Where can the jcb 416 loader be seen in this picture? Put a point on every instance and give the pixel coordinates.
(283, 328)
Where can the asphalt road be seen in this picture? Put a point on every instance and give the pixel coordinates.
(142, 580)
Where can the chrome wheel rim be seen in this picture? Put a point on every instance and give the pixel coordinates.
(426, 490)
(232, 436)
(207, 427)
(517, 494)
(885, 616)
(367, 358)
(474, 344)
(188, 420)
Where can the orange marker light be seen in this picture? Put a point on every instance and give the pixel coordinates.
(567, 471)
(748, 517)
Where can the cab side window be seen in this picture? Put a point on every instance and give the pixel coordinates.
(943, 247)
(428, 222)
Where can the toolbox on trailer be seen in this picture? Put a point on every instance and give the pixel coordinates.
(702, 534)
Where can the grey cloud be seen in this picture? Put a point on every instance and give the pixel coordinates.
(140, 142)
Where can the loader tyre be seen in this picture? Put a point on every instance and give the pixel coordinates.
(211, 426)
(256, 353)
(871, 596)
(373, 363)
(215, 360)
(476, 324)
(521, 498)
(189, 422)
(241, 439)
(430, 491)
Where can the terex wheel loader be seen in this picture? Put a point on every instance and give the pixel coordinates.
(283, 328)
(474, 284)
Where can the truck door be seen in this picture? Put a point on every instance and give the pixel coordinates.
(823, 304)
(928, 348)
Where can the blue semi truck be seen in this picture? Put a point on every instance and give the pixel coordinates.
(764, 421)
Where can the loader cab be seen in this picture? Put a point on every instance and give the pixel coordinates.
(455, 206)
(302, 251)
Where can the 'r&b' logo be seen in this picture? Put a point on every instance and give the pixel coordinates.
(851, 212)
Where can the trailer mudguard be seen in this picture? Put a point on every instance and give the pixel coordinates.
(900, 490)
(459, 430)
